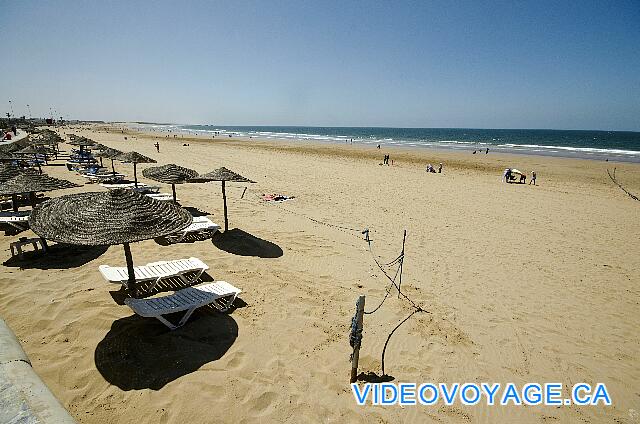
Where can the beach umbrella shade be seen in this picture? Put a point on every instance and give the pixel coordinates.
(6, 157)
(10, 148)
(8, 171)
(224, 175)
(108, 153)
(107, 218)
(135, 158)
(30, 182)
(170, 174)
(82, 142)
(35, 150)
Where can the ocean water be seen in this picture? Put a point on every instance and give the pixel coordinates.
(601, 145)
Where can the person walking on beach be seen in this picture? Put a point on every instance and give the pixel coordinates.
(487, 152)
(533, 178)
(440, 168)
(157, 146)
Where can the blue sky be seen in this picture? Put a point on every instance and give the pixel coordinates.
(573, 65)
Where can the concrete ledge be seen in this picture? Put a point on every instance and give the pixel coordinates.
(24, 398)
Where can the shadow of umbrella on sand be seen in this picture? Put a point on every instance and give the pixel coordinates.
(139, 353)
(224, 175)
(107, 218)
(169, 174)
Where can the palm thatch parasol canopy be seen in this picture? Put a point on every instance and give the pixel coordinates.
(82, 142)
(170, 174)
(107, 218)
(30, 182)
(6, 157)
(10, 148)
(8, 171)
(108, 153)
(135, 158)
(222, 174)
(35, 150)
(15, 146)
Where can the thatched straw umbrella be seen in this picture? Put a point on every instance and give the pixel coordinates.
(7, 172)
(35, 150)
(222, 174)
(83, 142)
(107, 218)
(30, 182)
(170, 174)
(135, 158)
(108, 153)
(7, 157)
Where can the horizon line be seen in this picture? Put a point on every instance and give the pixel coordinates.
(372, 126)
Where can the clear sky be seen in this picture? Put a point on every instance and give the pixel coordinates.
(564, 65)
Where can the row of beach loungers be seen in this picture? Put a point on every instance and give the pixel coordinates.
(220, 294)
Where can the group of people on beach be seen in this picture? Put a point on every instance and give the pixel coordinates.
(510, 175)
(431, 169)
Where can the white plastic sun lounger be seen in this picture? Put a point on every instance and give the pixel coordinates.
(156, 271)
(221, 295)
(146, 188)
(96, 178)
(142, 187)
(120, 185)
(164, 197)
(18, 220)
(200, 225)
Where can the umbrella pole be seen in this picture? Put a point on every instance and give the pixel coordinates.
(113, 167)
(224, 199)
(100, 162)
(14, 200)
(173, 187)
(32, 198)
(135, 175)
(35, 157)
(131, 282)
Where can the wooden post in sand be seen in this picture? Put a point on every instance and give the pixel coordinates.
(131, 281)
(356, 334)
(224, 199)
(404, 238)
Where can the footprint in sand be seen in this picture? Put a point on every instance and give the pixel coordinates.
(264, 403)
(236, 360)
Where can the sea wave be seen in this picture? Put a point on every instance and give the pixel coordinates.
(496, 140)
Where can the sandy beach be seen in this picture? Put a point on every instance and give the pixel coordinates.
(519, 283)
